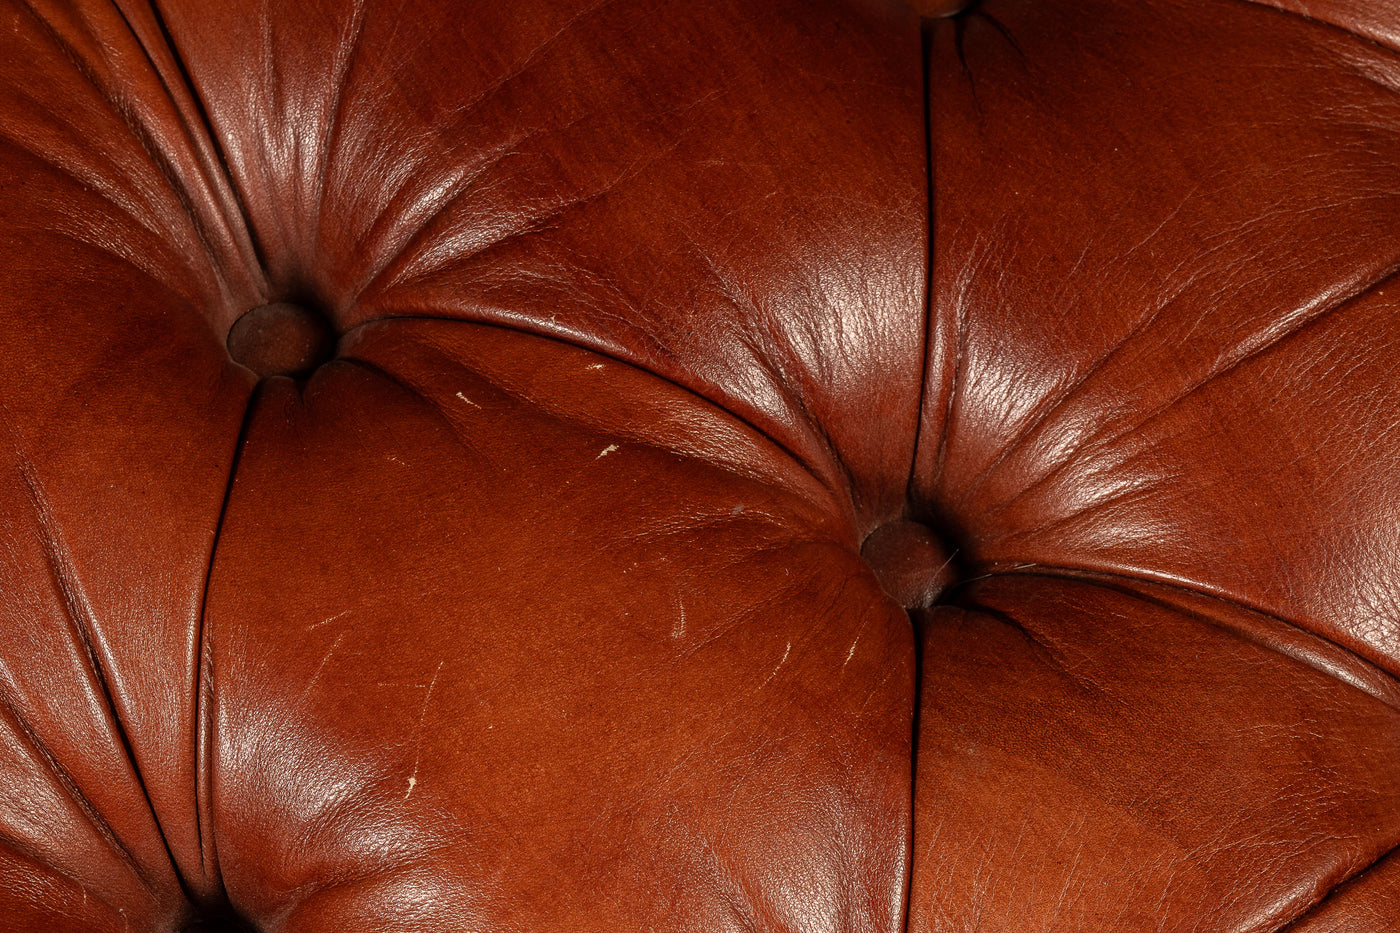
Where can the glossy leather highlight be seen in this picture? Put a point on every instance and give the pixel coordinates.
(804, 466)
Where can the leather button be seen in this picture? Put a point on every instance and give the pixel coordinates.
(281, 339)
(911, 561)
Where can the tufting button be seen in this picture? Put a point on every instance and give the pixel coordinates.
(911, 562)
(281, 339)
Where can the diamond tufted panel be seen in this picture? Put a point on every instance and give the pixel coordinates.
(808, 466)
(1160, 423)
(428, 508)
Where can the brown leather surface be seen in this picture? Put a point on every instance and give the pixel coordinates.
(1181, 367)
(541, 606)
(1091, 758)
(1374, 21)
(1163, 359)
(1368, 904)
(518, 704)
(464, 466)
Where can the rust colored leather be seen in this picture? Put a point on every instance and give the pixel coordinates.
(808, 466)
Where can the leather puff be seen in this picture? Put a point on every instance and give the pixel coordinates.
(1091, 757)
(1167, 348)
(454, 685)
(119, 417)
(541, 606)
(728, 196)
(1162, 359)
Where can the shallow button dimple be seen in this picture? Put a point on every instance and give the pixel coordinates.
(911, 562)
(281, 339)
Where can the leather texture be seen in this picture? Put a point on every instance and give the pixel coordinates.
(819, 465)
(1164, 356)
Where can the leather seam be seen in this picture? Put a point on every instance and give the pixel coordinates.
(79, 617)
(207, 126)
(1322, 23)
(925, 56)
(204, 686)
(925, 44)
(1291, 926)
(84, 804)
(159, 157)
(1101, 438)
(1125, 583)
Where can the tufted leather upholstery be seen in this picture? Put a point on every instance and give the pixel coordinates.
(622, 466)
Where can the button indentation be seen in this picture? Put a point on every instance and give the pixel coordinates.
(281, 339)
(911, 562)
